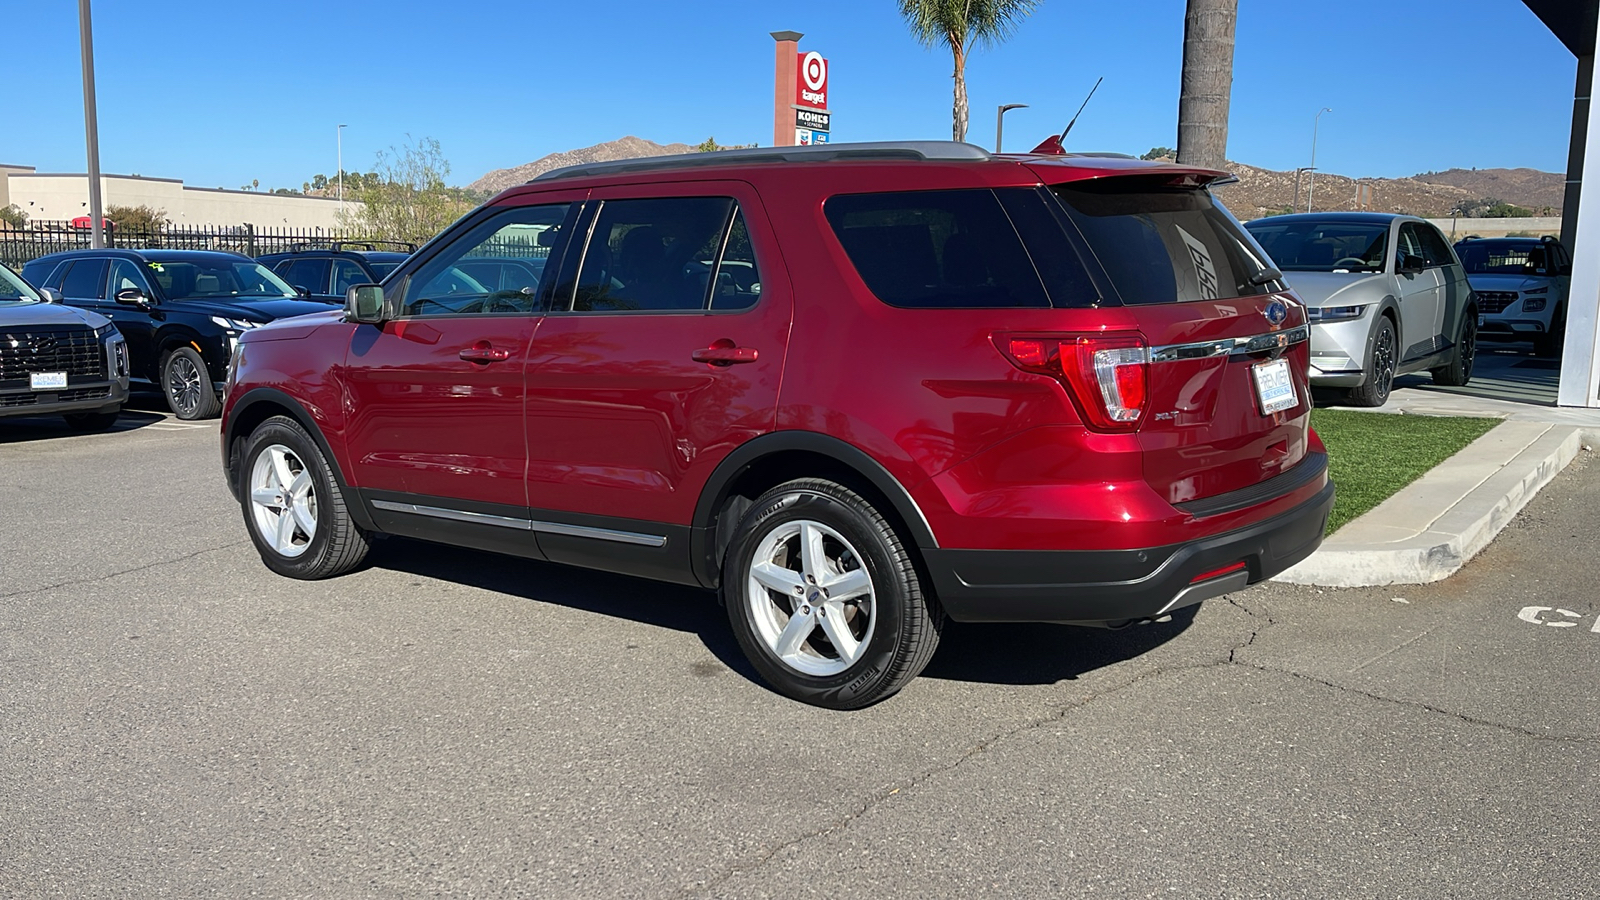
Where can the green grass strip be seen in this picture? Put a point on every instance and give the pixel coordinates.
(1373, 455)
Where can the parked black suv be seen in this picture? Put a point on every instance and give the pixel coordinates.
(181, 311)
(58, 360)
(325, 273)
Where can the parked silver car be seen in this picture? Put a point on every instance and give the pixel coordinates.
(1385, 294)
(1522, 286)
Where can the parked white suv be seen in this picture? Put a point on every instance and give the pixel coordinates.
(1522, 286)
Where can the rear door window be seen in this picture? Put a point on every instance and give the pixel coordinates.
(1162, 244)
(936, 249)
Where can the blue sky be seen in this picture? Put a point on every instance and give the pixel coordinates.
(218, 94)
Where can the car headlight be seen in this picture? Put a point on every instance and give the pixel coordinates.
(236, 324)
(1335, 313)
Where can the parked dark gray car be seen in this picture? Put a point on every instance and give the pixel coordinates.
(1385, 295)
(56, 360)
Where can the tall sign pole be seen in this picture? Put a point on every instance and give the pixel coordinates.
(91, 129)
(786, 76)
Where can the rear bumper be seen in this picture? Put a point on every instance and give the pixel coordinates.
(1113, 586)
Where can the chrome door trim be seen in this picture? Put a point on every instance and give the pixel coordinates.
(583, 531)
(1239, 346)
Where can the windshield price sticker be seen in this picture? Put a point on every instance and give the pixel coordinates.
(47, 381)
(1274, 387)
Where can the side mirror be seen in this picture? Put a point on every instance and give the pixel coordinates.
(302, 290)
(1412, 265)
(51, 295)
(133, 297)
(364, 303)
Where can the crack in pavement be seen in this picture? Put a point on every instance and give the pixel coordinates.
(111, 575)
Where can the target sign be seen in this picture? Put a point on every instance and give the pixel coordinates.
(811, 88)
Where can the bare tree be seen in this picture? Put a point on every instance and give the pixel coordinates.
(406, 198)
(1207, 82)
(959, 24)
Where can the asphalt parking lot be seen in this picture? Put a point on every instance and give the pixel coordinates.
(177, 721)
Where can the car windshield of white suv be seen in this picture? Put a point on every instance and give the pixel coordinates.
(13, 290)
(1501, 258)
(1323, 246)
(195, 280)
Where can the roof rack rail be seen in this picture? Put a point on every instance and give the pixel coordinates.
(374, 244)
(872, 150)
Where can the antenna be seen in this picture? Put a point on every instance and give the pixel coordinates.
(1054, 144)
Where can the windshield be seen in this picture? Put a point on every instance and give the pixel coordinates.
(381, 270)
(191, 280)
(1323, 246)
(1501, 258)
(13, 290)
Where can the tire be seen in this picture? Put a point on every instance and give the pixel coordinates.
(893, 624)
(1459, 371)
(91, 421)
(1380, 367)
(319, 539)
(187, 385)
(1549, 343)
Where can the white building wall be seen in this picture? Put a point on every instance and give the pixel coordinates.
(65, 196)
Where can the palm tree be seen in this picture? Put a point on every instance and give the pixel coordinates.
(1207, 82)
(958, 24)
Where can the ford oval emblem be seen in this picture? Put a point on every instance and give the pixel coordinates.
(1276, 311)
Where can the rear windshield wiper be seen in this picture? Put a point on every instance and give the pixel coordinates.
(1265, 277)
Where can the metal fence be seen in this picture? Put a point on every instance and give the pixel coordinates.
(19, 245)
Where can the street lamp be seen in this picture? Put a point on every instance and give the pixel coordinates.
(91, 129)
(1000, 122)
(1295, 206)
(341, 169)
(1315, 125)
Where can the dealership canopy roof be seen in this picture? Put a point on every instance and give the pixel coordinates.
(1573, 21)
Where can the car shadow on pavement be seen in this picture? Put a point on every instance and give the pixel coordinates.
(42, 428)
(981, 653)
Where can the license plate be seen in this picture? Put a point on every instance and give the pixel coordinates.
(1274, 386)
(47, 381)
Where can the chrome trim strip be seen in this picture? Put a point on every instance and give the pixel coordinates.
(604, 534)
(1256, 343)
(583, 531)
(454, 514)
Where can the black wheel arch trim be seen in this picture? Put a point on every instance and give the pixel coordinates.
(356, 505)
(718, 488)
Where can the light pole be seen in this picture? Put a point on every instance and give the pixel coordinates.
(1000, 122)
(341, 169)
(1315, 125)
(1295, 206)
(91, 128)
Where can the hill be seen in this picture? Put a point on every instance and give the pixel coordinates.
(1263, 192)
(629, 147)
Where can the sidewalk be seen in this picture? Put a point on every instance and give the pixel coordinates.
(1433, 526)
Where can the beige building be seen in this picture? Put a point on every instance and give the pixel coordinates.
(48, 196)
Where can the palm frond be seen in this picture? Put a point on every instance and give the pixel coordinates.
(962, 22)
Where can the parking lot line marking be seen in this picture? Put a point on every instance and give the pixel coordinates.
(1401, 646)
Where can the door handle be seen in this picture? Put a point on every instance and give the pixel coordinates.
(726, 356)
(482, 352)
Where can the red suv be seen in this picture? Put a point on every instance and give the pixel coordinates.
(857, 389)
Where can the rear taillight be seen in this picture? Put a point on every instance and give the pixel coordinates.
(1108, 375)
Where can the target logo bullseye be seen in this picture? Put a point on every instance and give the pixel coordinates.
(812, 85)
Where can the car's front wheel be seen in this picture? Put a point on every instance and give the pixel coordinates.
(1380, 367)
(293, 507)
(824, 598)
(187, 384)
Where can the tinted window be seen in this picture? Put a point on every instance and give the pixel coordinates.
(738, 281)
(86, 280)
(1500, 257)
(1313, 246)
(655, 254)
(936, 249)
(1410, 244)
(497, 267)
(311, 274)
(1163, 244)
(209, 278)
(1435, 249)
(346, 274)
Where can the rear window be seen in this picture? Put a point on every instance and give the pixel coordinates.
(1161, 244)
(936, 249)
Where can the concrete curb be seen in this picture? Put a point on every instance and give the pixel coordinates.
(1433, 526)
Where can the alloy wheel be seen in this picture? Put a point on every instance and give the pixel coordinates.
(811, 598)
(184, 384)
(283, 500)
(1383, 363)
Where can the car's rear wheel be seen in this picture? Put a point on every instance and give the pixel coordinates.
(824, 599)
(91, 421)
(187, 384)
(293, 508)
(1380, 367)
(1459, 371)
